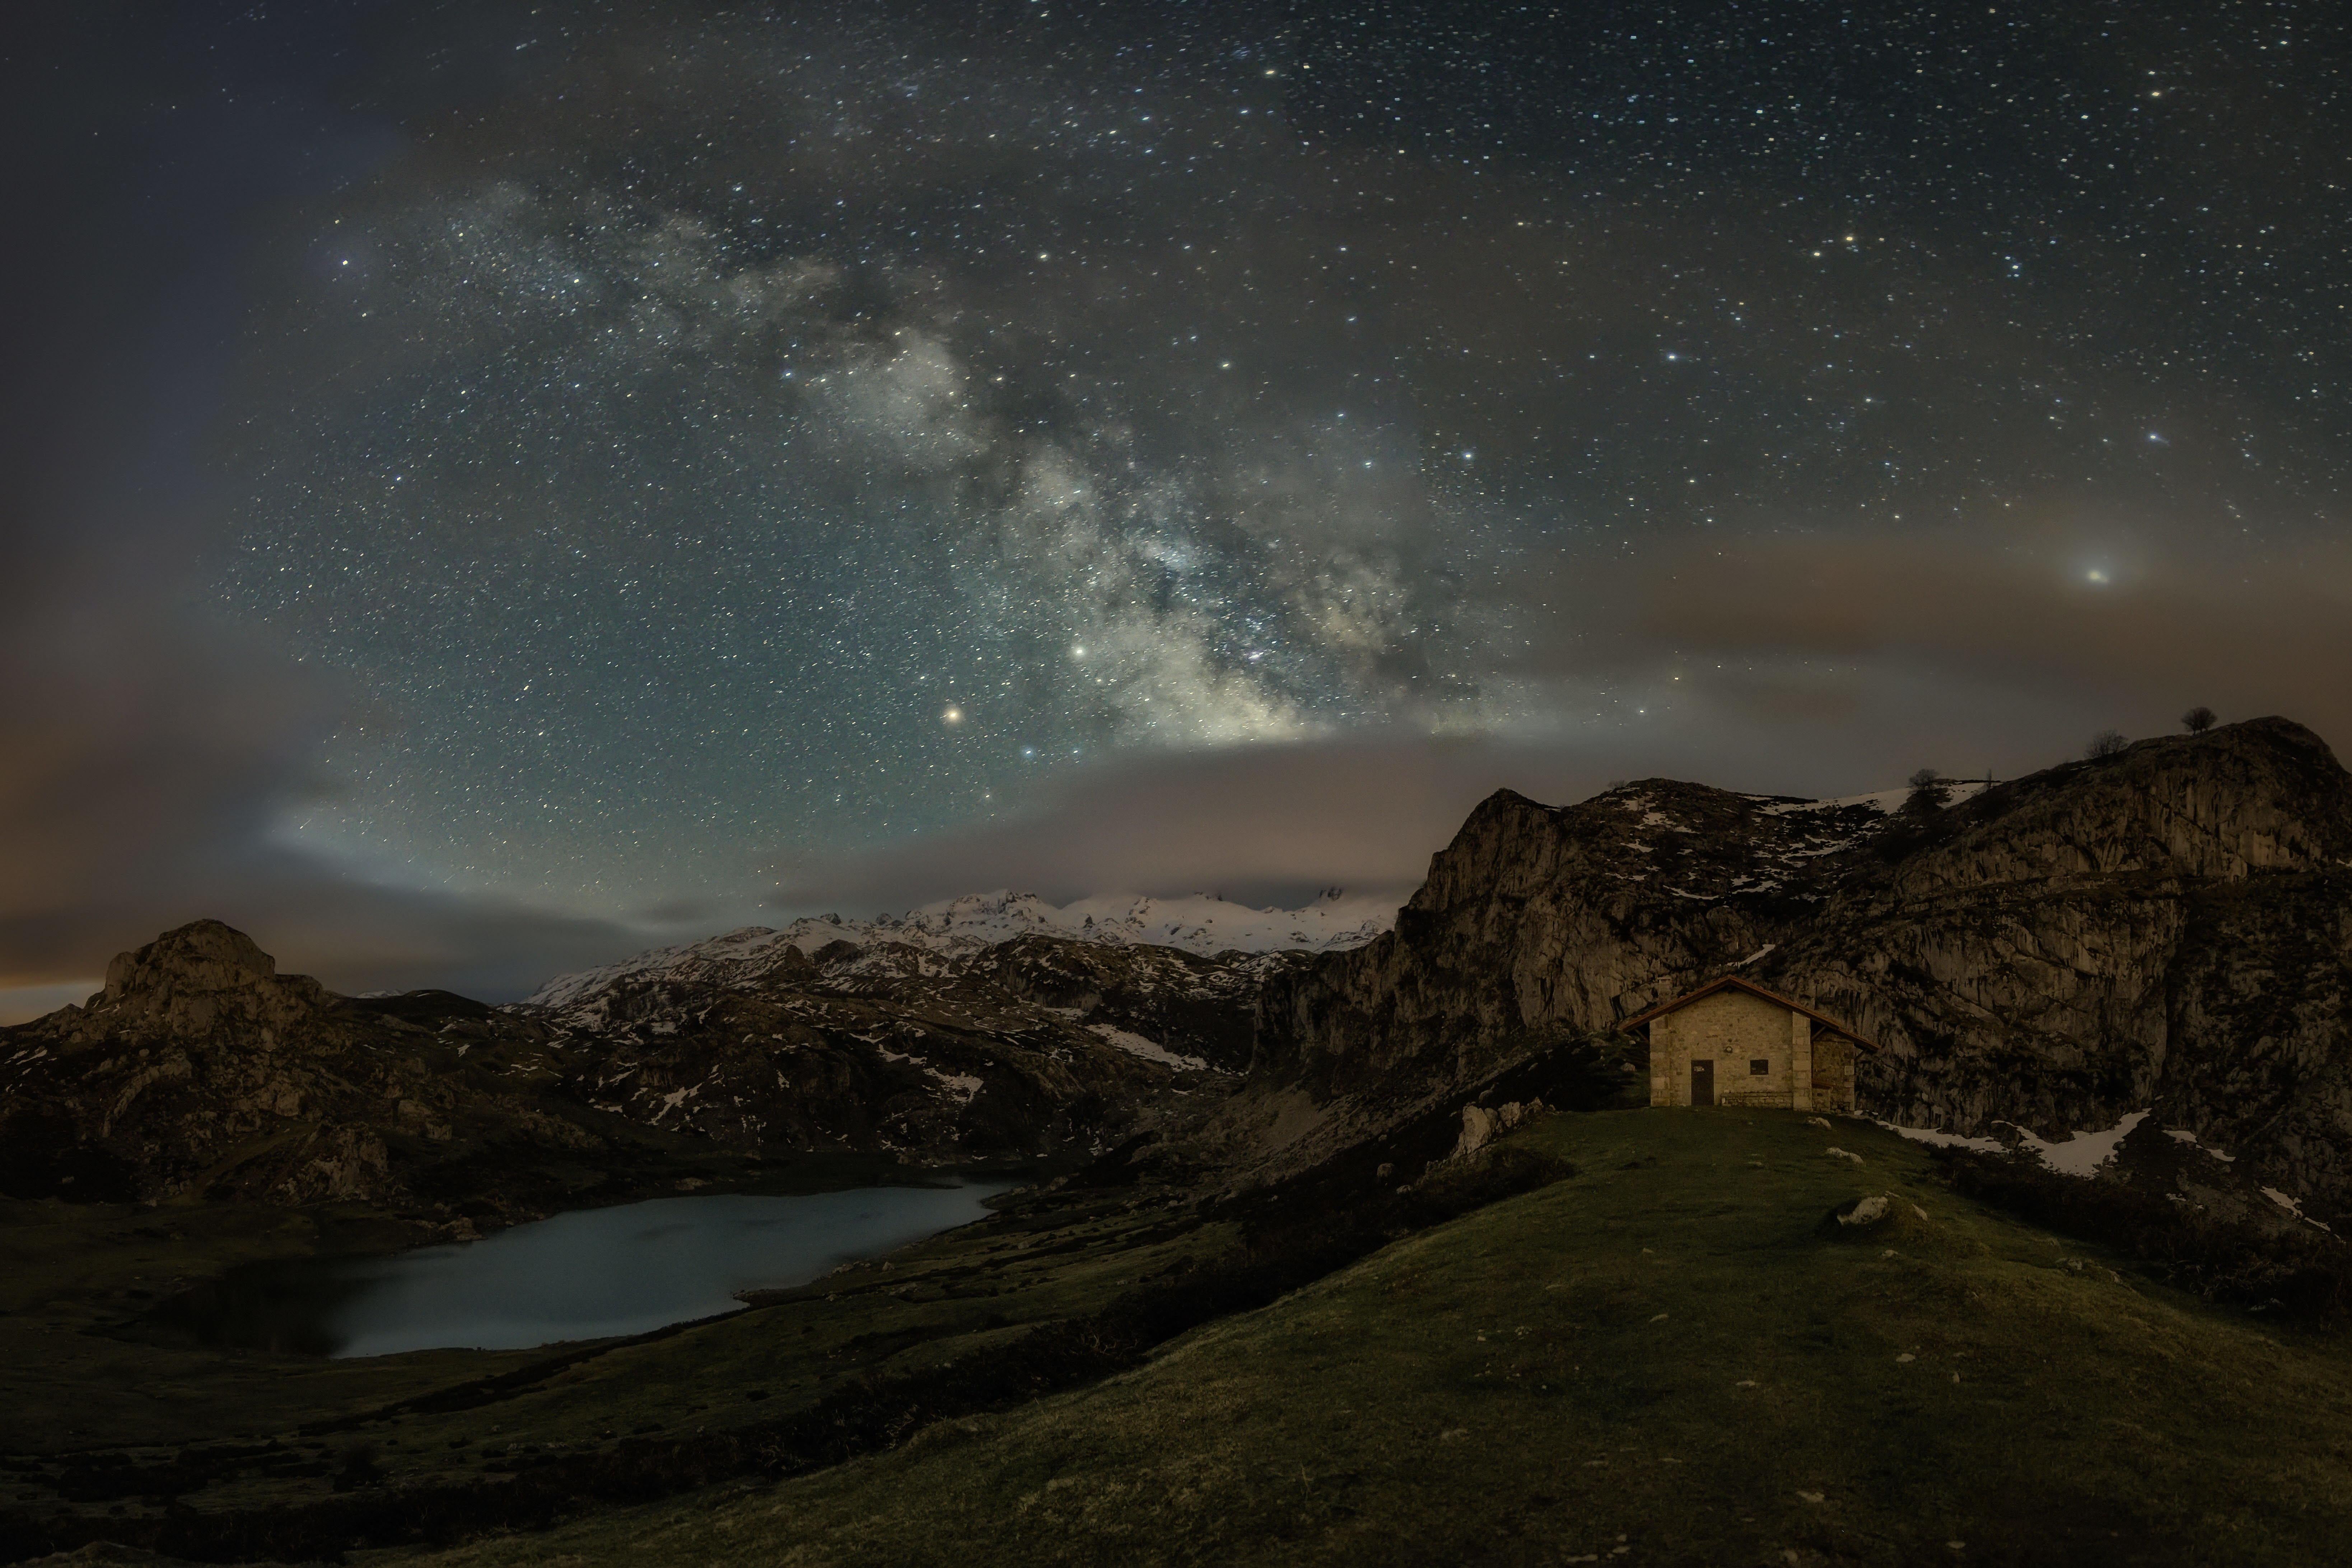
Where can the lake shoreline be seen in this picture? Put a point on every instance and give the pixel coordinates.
(596, 1273)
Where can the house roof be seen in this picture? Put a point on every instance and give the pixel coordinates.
(1734, 983)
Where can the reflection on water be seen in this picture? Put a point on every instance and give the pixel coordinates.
(580, 1275)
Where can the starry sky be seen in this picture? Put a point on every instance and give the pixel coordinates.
(509, 481)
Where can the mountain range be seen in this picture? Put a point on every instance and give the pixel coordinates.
(992, 1027)
(1203, 923)
(2165, 931)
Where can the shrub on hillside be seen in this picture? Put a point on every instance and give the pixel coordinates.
(1930, 793)
(2301, 1273)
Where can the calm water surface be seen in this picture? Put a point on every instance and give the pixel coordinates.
(580, 1276)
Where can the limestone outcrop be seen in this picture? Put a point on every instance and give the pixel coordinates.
(2167, 927)
(201, 1071)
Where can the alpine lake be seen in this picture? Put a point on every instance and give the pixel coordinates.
(589, 1274)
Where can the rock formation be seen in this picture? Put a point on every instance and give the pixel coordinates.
(1023, 1047)
(2166, 927)
(202, 1072)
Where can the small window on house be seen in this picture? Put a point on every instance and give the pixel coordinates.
(1760, 1067)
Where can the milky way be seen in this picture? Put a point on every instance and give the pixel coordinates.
(751, 434)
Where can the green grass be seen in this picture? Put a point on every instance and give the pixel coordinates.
(72, 1274)
(1660, 1354)
(262, 1431)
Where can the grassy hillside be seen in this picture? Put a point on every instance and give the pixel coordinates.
(1660, 1359)
(111, 1429)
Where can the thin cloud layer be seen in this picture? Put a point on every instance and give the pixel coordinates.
(144, 763)
(2152, 638)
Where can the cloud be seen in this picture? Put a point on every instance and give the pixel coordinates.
(144, 762)
(1273, 825)
(1821, 666)
(2139, 640)
(1259, 823)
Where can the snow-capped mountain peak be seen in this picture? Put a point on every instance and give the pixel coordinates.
(957, 928)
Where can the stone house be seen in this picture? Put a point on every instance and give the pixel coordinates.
(1732, 1042)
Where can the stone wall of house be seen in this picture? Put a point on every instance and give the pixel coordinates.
(1834, 1075)
(1735, 1030)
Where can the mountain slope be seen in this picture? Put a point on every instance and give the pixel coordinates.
(200, 1071)
(2163, 928)
(1661, 1359)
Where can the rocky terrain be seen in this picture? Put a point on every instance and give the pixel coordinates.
(200, 1071)
(2168, 930)
(1022, 1047)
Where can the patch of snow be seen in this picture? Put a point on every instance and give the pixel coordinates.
(2294, 1209)
(1885, 802)
(2182, 1135)
(2080, 1155)
(1947, 1140)
(2085, 1152)
(1756, 954)
(963, 1086)
(1149, 1050)
(958, 928)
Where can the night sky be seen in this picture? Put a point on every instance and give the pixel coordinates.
(500, 484)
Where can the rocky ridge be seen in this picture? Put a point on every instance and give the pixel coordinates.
(960, 929)
(201, 1071)
(1019, 1047)
(2168, 929)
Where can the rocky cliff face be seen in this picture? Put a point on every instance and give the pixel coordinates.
(1022, 1047)
(201, 1071)
(2171, 927)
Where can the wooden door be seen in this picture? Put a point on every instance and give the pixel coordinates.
(1702, 1083)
